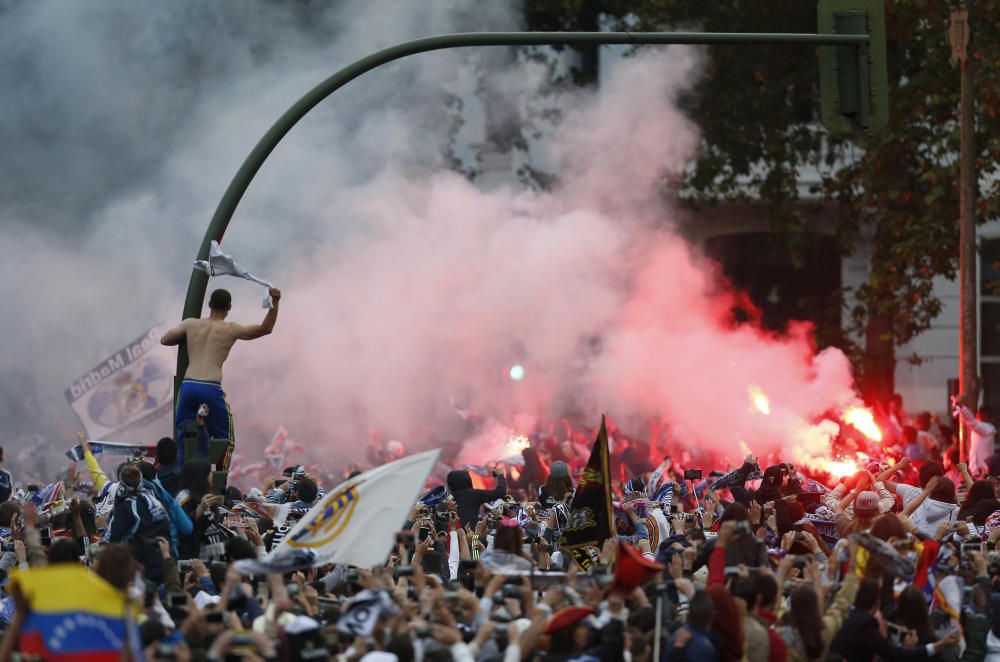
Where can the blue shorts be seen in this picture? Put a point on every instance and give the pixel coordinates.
(195, 392)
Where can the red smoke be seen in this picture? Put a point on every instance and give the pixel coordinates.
(442, 287)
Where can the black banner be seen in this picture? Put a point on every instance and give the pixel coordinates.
(590, 514)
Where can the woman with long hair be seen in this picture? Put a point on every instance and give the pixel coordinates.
(980, 502)
(912, 614)
(808, 629)
(558, 485)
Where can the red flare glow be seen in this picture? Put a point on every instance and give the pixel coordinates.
(862, 420)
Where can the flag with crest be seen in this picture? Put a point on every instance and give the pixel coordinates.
(590, 514)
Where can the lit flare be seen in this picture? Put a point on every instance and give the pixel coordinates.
(840, 469)
(759, 400)
(517, 444)
(862, 420)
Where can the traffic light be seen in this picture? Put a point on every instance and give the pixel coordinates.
(854, 81)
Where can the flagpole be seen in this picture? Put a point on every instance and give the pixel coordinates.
(658, 627)
(694, 493)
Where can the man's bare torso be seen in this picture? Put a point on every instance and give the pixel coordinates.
(208, 345)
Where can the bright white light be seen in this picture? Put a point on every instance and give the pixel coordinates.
(517, 372)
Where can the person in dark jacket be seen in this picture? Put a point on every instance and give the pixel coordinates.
(470, 499)
(533, 473)
(166, 466)
(859, 639)
(694, 641)
(137, 520)
(208, 537)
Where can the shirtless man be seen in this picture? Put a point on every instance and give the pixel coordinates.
(208, 343)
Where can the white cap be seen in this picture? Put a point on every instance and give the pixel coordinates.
(203, 599)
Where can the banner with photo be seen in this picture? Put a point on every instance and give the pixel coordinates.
(132, 387)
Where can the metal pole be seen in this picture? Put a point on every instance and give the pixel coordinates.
(694, 493)
(241, 181)
(968, 300)
(658, 627)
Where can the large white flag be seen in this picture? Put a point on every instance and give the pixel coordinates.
(356, 523)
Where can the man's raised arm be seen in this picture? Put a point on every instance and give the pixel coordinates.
(174, 336)
(254, 331)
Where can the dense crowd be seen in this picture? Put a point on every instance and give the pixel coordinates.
(762, 562)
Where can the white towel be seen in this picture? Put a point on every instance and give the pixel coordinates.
(220, 264)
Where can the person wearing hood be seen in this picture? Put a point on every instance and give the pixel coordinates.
(936, 505)
(470, 499)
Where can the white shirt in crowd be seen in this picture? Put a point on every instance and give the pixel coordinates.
(929, 515)
(981, 444)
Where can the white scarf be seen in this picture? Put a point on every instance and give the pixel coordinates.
(221, 264)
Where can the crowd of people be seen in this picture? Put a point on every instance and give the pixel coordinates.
(765, 561)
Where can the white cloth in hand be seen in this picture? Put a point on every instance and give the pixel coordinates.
(221, 264)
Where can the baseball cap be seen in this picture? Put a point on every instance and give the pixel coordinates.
(866, 503)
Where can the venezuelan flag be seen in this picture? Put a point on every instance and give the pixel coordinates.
(75, 616)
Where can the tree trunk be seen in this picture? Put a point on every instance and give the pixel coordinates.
(879, 361)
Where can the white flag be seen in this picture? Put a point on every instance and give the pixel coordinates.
(356, 523)
(221, 264)
(364, 610)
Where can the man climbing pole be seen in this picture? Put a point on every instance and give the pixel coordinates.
(209, 341)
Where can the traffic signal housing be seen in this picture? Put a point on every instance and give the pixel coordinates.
(854, 80)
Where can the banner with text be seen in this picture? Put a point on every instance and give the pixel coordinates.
(133, 386)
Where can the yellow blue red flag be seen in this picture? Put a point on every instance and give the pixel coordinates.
(74, 615)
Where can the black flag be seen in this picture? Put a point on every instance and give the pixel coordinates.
(590, 514)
